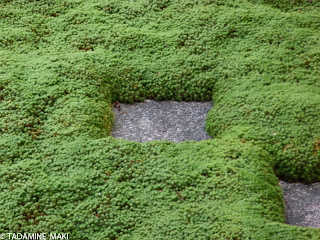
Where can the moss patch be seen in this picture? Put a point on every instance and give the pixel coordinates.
(64, 62)
(109, 188)
(283, 117)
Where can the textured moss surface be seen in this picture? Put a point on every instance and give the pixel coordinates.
(108, 189)
(63, 63)
(284, 117)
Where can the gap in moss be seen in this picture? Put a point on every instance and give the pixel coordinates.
(302, 204)
(165, 120)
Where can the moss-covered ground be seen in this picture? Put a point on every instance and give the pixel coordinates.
(63, 64)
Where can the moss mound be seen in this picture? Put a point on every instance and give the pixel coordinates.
(63, 63)
(284, 117)
(113, 189)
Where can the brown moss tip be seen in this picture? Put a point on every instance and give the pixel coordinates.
(316, 147)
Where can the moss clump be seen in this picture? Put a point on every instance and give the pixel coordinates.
(109, 188)
(164, 50)
(58, 99)
(288, 5)
(64, 62)
(284, 117)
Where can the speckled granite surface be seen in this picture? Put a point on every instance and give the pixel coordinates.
(302, 203)
(180, 121)
(167, 120)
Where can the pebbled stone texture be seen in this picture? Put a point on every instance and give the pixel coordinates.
(167, 120)
(180, 121)
(302, 203)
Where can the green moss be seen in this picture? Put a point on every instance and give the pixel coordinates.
(63, 63)
(288, 4)
(169, 49)
(284, 117)
(159, 190)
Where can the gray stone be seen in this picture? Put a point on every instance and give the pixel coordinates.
(302, 203)
(167, 120)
